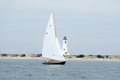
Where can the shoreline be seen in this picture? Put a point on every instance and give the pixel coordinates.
(94, 59)
(67, 59)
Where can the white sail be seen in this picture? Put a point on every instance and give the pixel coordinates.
(51, 47)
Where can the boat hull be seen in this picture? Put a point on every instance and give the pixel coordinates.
(54, 62)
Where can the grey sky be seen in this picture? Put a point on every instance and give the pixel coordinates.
(91, 26)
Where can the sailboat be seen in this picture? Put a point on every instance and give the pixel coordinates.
(51, 47)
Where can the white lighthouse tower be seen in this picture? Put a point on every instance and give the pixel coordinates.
(64, 46)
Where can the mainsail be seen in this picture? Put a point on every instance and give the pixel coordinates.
(51, 46)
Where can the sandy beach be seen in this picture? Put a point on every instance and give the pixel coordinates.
(67, 59)
(93, 59)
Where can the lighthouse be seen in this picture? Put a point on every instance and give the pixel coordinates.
(64, 46)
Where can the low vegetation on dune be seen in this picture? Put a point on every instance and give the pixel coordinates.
(66, 56)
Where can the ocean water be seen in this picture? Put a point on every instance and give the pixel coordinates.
(72, 70)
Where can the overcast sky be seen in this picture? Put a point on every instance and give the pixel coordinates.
(91, 26)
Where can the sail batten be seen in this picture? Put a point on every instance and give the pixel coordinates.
(51, 46)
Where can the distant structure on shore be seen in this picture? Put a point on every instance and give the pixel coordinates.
(64, 46)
